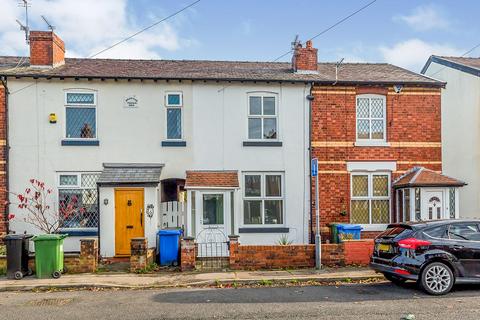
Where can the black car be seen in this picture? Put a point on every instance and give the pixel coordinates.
(437, 254)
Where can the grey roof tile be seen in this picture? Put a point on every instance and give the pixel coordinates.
(130, 173)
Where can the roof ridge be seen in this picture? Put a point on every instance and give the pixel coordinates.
(415, 176)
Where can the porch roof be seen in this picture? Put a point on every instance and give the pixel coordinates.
(130, 173)
(423, 177)
(212, 179)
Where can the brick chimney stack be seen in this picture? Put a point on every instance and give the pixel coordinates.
(46, 49)
(305, 59)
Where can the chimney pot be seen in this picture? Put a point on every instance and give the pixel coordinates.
(46, 49)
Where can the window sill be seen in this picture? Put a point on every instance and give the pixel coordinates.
(77, 232)
(371, 144)
(262, 143)
(174, 143)
(373, 227)
(264, 230)
(92, 142)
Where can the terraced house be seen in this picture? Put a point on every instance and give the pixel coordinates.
(219, 147)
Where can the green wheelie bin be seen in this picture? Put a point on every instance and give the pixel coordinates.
(49, 255)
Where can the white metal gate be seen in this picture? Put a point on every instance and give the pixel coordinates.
(173, 214)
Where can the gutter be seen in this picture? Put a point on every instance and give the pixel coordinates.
(6, 150)
(436, 84)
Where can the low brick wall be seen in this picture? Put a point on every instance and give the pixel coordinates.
(254, 257)
(84, 262)
(358, 251)
(188, 254)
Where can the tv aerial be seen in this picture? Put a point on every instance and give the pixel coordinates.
(50, 26)
(24, 27)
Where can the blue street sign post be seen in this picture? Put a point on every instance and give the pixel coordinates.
(318, 243)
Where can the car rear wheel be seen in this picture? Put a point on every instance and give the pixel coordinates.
(394, 279)
(437, 279)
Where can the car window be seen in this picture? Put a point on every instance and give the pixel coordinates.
(437, 232)
(464, 231)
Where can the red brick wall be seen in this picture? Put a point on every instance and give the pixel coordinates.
(358, 251)
(3, 167)
(46, 49)
(413, 131)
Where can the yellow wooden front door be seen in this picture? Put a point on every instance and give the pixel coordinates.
(129, 215)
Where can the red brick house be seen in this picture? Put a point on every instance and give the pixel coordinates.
(371, 124)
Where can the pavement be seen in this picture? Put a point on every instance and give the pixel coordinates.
(378, 300)
(187, 279)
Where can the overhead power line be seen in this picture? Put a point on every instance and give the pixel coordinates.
(331, 27)
(145, 29)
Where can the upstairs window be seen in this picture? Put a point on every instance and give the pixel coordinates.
(371, 118)
(81, 115)
(262, 117)
(174, 104)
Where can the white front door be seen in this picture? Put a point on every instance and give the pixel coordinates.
(212, 223)
(433, 205)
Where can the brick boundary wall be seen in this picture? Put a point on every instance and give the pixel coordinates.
(256, 257)
(140, 255)
(188, 254)
(358, 251)
(84, 262)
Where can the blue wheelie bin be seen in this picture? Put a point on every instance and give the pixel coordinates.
(348, 232)
(168, 247)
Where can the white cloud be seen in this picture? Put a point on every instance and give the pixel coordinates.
(89, 26)
(424, 18)
(412, 54)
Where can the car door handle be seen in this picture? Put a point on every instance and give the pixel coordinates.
(457, 247)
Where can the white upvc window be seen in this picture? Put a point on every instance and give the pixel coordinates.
(371, 118)
(263, 198)
(174, 116)
(262, 116)
(80, 115)
(78, 190)
(370, 198)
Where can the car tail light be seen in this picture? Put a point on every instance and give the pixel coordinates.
(412, 243)
(402, 272)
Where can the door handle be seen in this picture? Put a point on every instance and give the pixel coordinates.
(129, 227)
(141, 217)
(457, 247)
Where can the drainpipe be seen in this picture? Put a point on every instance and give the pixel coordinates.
(310, 98)
(3, 79)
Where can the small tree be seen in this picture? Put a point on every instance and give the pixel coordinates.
(36, 200)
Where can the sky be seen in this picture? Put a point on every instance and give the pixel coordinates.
(404, 33)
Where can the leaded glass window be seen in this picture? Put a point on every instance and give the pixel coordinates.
(371, 117)
(81, 116)
(452, 203)
(370, 198)
(78, 200)
(174, 116)
(263, 199)
(262, 117)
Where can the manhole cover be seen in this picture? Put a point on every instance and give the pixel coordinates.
(50, 302)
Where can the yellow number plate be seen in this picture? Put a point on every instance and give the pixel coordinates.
(383, 247)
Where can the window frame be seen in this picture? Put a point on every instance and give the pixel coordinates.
(370, 197)
(78, 186)
(83, 106)
(262, 117)
(263, 197)
(174, 106)
(369, 118)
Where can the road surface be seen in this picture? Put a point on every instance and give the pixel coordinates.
(351, 301)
